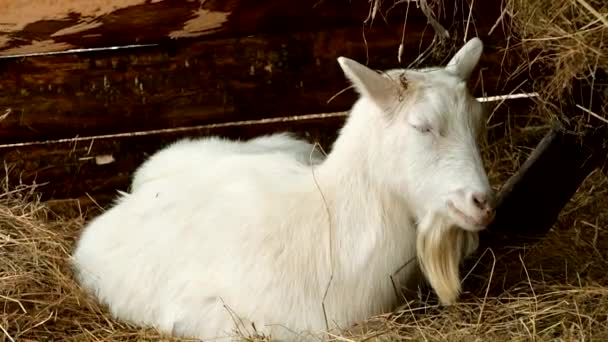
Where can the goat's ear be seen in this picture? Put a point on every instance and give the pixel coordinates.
(465, 60)
(368, 82)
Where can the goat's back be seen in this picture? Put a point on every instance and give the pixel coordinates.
(206, 216)
(198, 154)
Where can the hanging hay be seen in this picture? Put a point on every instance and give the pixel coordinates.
(567, 41)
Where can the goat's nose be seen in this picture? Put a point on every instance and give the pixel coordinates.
(482, 201)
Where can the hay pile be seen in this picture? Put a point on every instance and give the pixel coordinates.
(557, 289)
(566, 41)
(40, 300)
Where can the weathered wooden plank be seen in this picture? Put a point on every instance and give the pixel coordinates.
(201, 82)
(161, 87)
(58, 25)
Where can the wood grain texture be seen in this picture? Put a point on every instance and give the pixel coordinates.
(56, 25)
(288, 67)
(175, 85)
(212, 81)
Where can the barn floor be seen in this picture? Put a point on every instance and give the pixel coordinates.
(555, 290)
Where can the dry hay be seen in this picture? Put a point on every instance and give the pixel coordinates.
(560, 48)
(40, 300)
(567, 42)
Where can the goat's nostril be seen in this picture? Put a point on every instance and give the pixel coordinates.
(480, 200)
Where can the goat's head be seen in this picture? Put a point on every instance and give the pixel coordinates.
(428, 147)
(424, 146)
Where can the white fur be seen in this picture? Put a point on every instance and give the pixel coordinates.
(179, 156)
(218, 232)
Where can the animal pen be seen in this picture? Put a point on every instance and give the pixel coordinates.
(88, 90)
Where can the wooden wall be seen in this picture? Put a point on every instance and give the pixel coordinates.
(101, 70)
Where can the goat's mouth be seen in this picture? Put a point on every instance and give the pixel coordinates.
(468, 222)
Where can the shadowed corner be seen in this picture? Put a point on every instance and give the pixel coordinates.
(530, 202)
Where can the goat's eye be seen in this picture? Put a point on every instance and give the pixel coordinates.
(423, 128)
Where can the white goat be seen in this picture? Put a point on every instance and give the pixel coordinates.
(218, 236)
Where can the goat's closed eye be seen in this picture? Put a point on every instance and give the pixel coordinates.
(422, 128)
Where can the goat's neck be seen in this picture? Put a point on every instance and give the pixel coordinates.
(350, 170)
(369, 219)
